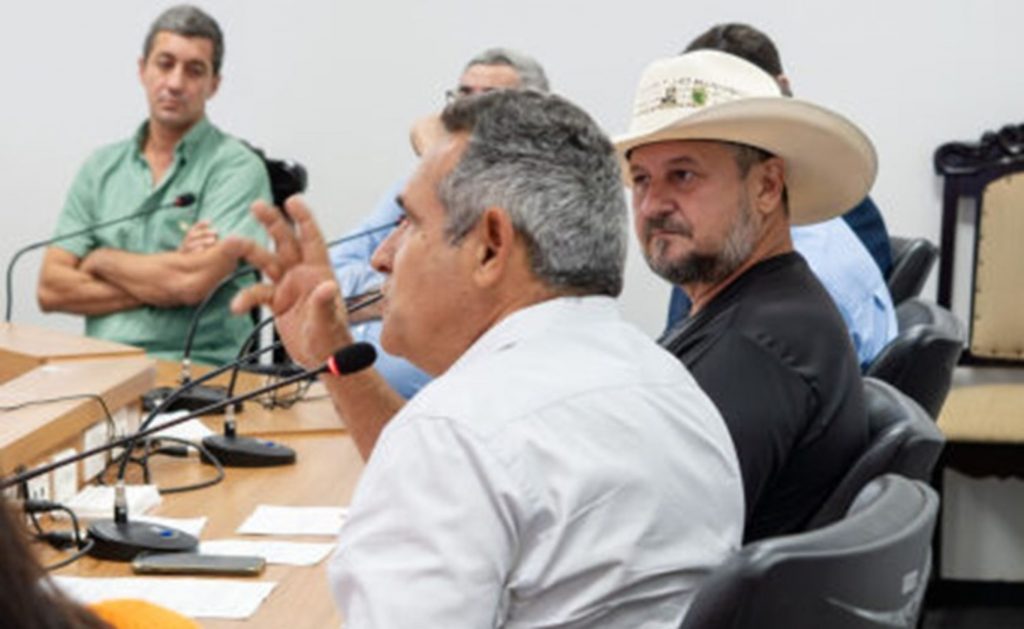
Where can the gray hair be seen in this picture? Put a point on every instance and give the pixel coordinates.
(554, 171)
(188, 21)
(531, 74)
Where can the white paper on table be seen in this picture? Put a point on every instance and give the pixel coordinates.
(192, 526)
(192, 430)
(97, 501)
(277, 520)
(197, 598)
(290, 553)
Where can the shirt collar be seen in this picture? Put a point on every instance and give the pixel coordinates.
(534, 320)
(186, 146)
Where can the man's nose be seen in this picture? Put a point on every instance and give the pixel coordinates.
(176, 77)
(384, 254)
(655, 200)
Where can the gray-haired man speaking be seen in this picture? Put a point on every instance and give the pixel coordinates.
(561, 470)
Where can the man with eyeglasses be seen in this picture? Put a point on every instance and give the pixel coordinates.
(492, 69)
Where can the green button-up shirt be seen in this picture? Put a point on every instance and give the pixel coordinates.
(115, 181)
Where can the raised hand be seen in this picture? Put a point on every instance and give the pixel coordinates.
(301, 292)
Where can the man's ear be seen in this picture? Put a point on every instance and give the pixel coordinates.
(769, 185)
(216, 86)
(494, 245)
(784, 86)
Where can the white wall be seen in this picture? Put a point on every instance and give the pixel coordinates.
(335, 85)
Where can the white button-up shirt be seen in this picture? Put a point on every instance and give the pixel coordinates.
(564, 472)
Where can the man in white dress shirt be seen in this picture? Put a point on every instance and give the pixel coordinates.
(562, 470)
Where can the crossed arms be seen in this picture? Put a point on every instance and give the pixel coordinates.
(110, 280)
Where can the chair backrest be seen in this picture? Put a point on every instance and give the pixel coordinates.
(921, 359)
(867, 571)
(912, 261)
(985, 181)
(287, 177)
(902, 439)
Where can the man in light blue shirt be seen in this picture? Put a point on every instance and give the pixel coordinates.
(351, 262)
(844, 266)
(495, 68)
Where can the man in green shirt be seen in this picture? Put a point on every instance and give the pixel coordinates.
(138, 282)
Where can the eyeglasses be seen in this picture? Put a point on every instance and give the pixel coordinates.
(462, 91)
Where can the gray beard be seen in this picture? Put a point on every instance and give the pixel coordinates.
(710, 268)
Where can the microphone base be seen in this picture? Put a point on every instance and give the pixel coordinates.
(123, 541)
(238, 451)
(194, 399)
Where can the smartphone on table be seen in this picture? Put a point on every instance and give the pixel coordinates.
(196, 563)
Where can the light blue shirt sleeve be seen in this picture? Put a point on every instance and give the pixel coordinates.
(350, 257)
(851, 277)
(351, 261)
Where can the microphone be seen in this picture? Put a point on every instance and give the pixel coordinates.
(121, 539)
(180, 201)
(233, 450)
(199, 397)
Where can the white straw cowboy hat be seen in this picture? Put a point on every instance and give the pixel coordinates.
(711, 95)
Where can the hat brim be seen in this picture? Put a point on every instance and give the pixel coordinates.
(830, 164)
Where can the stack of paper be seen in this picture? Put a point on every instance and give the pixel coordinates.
(275, 520)
(198, 598)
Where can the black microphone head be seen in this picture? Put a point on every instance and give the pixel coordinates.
(184, 200)
(352, 358)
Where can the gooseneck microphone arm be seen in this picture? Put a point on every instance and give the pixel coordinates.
(193, 326)
(182, 200)
(245, 354)
(167, 402)
(363, 234)
(186, 355)
(348, 360)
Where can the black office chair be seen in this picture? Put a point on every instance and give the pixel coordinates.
(902, 439)
(286, 178)
(921, 359)
(912, 261)
(867, 571)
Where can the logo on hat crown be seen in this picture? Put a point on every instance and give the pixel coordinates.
(683, 93)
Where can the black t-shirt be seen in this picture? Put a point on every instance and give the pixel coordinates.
(773, 353)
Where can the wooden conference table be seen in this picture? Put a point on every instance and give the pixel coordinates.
(327, 468)
(325, 474)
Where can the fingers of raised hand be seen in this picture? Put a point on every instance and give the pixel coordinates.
(244, 249)
(311, 239)
(280, 231)
(251, 297)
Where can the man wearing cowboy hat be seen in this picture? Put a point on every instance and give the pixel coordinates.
(850, 264)
(720, 164)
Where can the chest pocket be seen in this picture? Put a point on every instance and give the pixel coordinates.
(161, 231)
